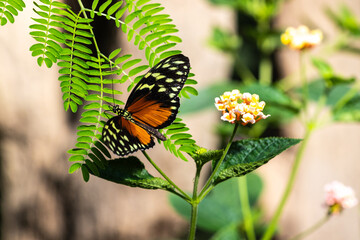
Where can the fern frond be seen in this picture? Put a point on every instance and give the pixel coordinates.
(152, 32)
(65, 37)
(178, 140)
(44, 31)
(9, 9)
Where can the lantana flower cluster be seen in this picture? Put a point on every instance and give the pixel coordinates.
(239, 107)
(339, 197)
(301, 38)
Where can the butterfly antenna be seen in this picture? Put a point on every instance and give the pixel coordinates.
(112, 88)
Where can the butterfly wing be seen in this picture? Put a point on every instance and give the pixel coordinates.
(154, 100)
(123, 136)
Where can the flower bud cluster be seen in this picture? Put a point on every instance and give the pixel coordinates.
(248, 110)
(301, 38)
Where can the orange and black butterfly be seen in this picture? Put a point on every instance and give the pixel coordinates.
(152, 105)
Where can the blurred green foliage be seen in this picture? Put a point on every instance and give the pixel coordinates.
(252, 48)
(220, 213)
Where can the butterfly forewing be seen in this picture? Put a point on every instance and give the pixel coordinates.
(153, 104)
(154, 101)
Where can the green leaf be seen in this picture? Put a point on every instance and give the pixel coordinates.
(221, 207)
(114, 8)
(246, 155)
(202, 156)
(345, 102)
(130, 63)
(85, 172)
(104, 6)
(74, 167)
(131, 172)
(229, 232)
(94, 4)
(114, 53)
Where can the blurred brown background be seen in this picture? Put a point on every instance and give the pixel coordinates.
(40, 200)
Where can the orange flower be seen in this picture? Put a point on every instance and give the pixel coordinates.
(248, 110)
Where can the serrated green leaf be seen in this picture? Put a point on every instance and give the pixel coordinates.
(246, 155)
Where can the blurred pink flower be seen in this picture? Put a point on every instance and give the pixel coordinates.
(339, 197)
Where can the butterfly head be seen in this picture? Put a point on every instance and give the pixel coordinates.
(121, 112)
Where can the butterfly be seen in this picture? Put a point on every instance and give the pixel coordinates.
(152, 105)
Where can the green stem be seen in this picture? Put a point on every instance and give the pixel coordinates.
(194, 205)
(205, 191)
(312, 228)
(183, 194)
(305, 87)
(245, 207)
(194, 211)
(274, 221)
(265, 71)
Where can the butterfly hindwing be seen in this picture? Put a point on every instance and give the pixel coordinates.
(123, 136)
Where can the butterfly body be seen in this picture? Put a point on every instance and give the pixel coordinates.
(153, 104)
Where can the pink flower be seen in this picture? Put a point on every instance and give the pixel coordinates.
(339, 197)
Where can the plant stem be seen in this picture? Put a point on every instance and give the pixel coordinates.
(274, 221)
(194, 205)
(194, 211)
(183, 194)
(305, 87)
(265, 71)
(245, 207)
(312, 228)
(204, 191)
